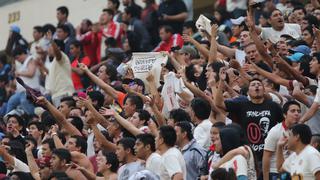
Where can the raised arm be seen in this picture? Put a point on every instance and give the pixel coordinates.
(104, 86)
(61, 120)
(199, 47)
(213, 47)
(87, 103)
(34, 169)
(260, 46)
(284, 66)
(123, 122)
(219, 100)
(101, 139)
(299, 95)
(272, 76)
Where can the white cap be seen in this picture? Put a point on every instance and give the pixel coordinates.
(238, 21)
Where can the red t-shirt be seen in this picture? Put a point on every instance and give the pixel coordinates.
(76, 79)
(175, 40)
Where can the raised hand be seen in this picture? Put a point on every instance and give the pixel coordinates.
(85, 102)
(42, 101)
(83, 67)
(107, 112)
(187, 38)
(214, 30)
(249, 22)
(150, 77)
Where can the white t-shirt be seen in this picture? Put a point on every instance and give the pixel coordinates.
(153, 163)
(172, 162)
(20, 166)
(202, 133)
(127, 170)
(270, 144)
(59, 79)
(304, 165)
(240, 56)
(239, 164)
(293, 30)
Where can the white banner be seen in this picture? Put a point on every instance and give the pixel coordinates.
(143, 63)
(171, 84)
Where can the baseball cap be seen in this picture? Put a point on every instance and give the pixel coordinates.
(296, 57)
(301, 49)
(190, 50)
(237, 21)
(15, 28)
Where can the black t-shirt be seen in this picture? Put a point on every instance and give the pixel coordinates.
(256, 120)
(172, 7)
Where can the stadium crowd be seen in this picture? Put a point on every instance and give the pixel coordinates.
(245, 92)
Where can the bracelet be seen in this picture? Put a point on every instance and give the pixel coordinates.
(54, 134)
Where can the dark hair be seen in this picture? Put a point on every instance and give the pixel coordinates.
(63, 154)
(50, 142)
(39, 29)
(135, 100)
(317, 56)
(190, 24)
(127, 143)
(139, 82)
(230, 139)
(305, 66)
(167, 29)
(19, 51)
(287, 105)
(111, 42)
(313, 89)
(32, 140)
(216, 66)
(201, 108)
(69, 101)
(49, 27)
(81, 142)
(190, 73)
(147, 139)
(76, 44)
(223, 174)
(116, 2)
(97, 96)
(21, 175)
(187, 128)
(109, 11)
(111, 71)
(312, 20)
(18, 118)
(168, 134)
(219, 125)
(60, 175)
(303, 131)
(144, 116)
(64, 28)
(60, 44)
(179, 115)
(64, 10)
(112, 159)
(255, 79)
(38, 124)
(310, 30)
(77, 122)
(299, 8)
